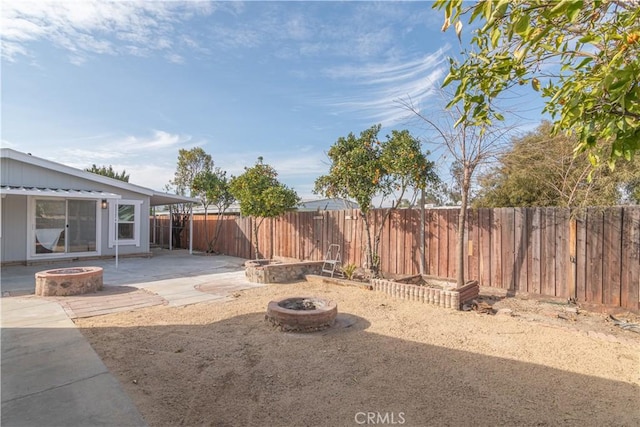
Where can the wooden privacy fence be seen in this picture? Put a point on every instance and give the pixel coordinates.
(594, 256)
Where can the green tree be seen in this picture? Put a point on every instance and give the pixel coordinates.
(108, 171)
(261, 195)
(212, 188)
(363, 168)
(581, 54)
(542, 169)
(190, 164)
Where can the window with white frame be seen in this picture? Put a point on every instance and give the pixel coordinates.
(125, 222)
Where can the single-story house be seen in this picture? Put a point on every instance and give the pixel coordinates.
(49, 211)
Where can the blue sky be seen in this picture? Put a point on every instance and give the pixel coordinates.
(128, 84)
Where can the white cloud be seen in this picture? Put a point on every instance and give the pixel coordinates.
(93, 26)
(148, 175)
(149, 160)
(377, 88)
(142, 28)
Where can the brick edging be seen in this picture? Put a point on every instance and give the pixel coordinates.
(446, 298)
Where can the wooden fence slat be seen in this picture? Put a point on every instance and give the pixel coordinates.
(400, 235)
(485, 246)
(630, 260)
(548, 252)
(452, 239)
(533, 252)
(594, 241)
(443, 242)
(434, 242)
(581, 258)
(521, 248)
(472, 248)
(611, 272)
(386, 250)
(507, 247)
(496, 249)
(562, 265)
(412, 243)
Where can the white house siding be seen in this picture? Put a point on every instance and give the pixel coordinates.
(14, 228)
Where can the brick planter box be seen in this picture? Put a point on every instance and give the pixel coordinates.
(275, 271)
(445, 295)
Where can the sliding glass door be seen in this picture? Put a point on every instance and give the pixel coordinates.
(50, 226)
(81, 217)
(65, 226)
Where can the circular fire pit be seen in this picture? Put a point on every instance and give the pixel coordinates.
(302, 314)
(68, 281)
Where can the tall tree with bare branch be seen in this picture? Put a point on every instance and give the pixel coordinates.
(190, 164)
(470, 147)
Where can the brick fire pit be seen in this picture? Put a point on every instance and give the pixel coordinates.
(302, 314)
(68, 281)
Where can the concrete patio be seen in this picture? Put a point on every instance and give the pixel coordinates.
(50, 374)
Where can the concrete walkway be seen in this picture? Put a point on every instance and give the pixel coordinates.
(50, 374)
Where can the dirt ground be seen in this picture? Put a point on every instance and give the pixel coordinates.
(385, 362)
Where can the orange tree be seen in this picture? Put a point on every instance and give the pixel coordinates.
(363, 168)
(261, 195)
(582, 55)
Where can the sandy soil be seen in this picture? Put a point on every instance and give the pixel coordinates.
(386, 361)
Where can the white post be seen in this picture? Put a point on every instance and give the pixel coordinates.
(170, 227)
(116, 232)
(190, 229)
(155, 227)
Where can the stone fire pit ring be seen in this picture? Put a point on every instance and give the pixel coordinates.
(68, 281)
(302, 314)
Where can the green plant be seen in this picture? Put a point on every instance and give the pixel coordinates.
(261, 195)
(582, 56)
(349, 270)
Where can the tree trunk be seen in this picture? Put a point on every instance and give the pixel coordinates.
(256, 226)
(462, 221)
(206, 231)
(216, 236)
(178, 226)
(369, 249)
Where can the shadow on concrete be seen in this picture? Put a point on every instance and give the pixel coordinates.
(52, 377)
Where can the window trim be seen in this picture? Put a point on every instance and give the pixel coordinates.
(113, 217)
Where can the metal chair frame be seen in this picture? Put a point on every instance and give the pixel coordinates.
(332, 261)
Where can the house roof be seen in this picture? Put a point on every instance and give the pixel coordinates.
(157, 198)
(327, 204)
(59, 192)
